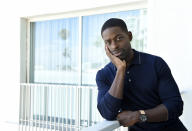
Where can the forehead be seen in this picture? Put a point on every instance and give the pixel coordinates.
(112, 32)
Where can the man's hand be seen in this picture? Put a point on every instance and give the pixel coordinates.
(115, 60)
(128, 118)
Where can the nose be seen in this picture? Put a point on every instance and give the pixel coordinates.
(114, 45)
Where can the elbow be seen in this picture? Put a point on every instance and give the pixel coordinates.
(107, 114)
(175, 109)
(180, 108)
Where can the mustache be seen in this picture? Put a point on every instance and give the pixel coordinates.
(117, 51)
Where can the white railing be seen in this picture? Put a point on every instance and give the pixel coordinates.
(69, 108)
(58, 107)
(103, 126)
(63, 107)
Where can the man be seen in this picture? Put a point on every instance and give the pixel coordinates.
(136, 88)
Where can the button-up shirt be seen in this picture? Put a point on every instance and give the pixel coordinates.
(148, 82)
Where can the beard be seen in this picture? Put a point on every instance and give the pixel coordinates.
(124, 55)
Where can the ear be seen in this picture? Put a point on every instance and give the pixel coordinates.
(130, 35)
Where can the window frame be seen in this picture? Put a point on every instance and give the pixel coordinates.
(26, 62)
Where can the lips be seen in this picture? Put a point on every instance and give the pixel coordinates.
(116, 53)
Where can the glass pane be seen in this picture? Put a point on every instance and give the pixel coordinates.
(55, 48)
(93, 53)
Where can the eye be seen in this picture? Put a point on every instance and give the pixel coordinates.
(119, 38)
(107, 42)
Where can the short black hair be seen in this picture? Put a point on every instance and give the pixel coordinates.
(112, 22)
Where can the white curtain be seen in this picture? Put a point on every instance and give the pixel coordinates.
(55, 51)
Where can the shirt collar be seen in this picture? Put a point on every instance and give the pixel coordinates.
(136, 58)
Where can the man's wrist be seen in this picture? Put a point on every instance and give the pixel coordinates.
(121, 69)
(137, 115)
(142, 116)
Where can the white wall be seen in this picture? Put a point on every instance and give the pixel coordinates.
(169, 36)
(170, 28)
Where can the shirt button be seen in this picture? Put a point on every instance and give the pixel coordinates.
(127, 72)
(129, 80)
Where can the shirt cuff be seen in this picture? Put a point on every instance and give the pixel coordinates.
(112, 102)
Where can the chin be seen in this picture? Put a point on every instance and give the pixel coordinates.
(121, 57)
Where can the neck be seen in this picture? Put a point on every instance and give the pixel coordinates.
(130, 58)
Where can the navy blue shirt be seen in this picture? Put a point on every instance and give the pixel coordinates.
(148, 83)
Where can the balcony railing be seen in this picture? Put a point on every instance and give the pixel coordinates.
(59, 107)
(48, 107)
(103, 126)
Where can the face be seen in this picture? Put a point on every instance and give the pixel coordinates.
(118, 42)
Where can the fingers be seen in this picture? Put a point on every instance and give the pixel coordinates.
(115, 60)
(124, 62)
(126, 118)
(121, 120)
(107, 51)
(123, 123)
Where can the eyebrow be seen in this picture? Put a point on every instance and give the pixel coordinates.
(115, 36)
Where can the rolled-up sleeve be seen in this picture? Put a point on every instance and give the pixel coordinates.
(168, 90)
(107, 105)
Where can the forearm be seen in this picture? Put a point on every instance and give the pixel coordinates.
(117, 86)
(157, 114)
(109, 102)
